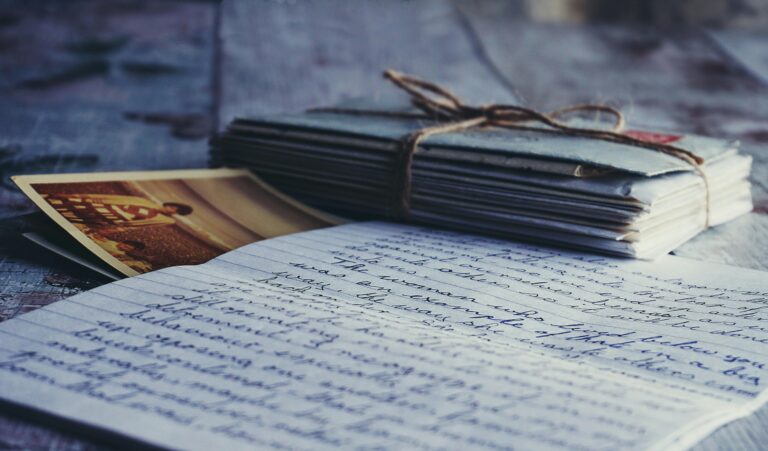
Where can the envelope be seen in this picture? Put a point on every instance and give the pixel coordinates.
(539, 150)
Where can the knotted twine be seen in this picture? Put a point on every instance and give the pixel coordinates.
(438, 103)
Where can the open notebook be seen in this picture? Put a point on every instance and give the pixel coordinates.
(377, 336)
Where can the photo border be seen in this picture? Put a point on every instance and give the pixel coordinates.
(25, 182)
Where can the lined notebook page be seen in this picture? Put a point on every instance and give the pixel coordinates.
(376, 335)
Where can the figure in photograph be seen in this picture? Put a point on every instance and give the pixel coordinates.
(106, 212)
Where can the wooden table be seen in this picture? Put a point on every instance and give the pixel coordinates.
(141, 85)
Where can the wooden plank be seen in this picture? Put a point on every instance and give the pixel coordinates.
(746, 49)
(103, 86)
(88, 86)
(289, 56)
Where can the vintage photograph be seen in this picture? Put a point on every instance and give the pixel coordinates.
(143, 221)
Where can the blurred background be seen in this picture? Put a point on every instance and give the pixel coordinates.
(662, 13)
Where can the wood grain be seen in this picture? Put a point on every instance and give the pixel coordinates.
(290, 56)
(88, 86)
(102, 86)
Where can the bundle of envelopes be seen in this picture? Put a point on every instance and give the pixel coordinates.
(532, 184)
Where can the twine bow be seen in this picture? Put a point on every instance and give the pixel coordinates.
(437, 103)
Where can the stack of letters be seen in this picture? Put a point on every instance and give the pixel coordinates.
(533, 184)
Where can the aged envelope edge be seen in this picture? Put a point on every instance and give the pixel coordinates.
(25, 185)
(664, 164)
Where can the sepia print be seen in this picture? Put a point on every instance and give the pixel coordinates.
(140, 222)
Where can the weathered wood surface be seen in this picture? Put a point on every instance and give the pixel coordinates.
(290, 56)
(102, 86)
(87, 86)
(286, 56)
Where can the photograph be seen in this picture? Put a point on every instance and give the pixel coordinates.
(143, 221)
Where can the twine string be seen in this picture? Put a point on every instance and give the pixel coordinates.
(438, 103)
